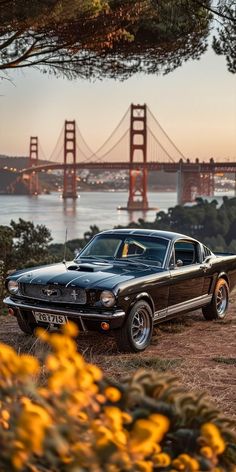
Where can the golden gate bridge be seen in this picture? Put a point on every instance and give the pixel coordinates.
(139, 144)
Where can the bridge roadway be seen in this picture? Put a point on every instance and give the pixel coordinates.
(200, 167)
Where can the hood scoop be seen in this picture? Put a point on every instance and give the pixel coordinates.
(87, 267)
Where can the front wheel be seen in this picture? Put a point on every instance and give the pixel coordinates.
(136, 332)
(218, 307)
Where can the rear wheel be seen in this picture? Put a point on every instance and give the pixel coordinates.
(136, 332)
(218, 307)
(24, 324)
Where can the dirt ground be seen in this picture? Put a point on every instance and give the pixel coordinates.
(202, 354)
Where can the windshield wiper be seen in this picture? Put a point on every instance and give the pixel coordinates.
(94, 258)
(131, 261)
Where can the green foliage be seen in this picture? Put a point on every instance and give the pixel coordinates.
(22, 244)
(225, 43)
(216, 227)
(30, 242)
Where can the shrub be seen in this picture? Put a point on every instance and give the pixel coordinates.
(80, 421)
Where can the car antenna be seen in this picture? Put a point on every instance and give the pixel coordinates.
(64, 258)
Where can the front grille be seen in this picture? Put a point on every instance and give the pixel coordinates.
(54, 293)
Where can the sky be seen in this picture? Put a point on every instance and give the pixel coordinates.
(195, 104)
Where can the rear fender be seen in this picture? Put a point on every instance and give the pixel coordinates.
(223, 275)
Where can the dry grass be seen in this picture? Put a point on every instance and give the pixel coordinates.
(225, 360)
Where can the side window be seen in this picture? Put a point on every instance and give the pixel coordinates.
(206, 252)
(187, 252)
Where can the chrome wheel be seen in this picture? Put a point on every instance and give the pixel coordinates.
(141, 326)
(217, 309)
(221, 300)
(136, 332)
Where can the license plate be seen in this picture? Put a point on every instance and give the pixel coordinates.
(49, 318)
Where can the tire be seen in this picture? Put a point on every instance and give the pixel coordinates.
(136, 332)
(218, 307)
(24, 325)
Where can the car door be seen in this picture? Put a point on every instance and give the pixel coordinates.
(186, 276)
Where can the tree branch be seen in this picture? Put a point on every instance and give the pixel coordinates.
(12, 64)
(10, 40)
(216, 12)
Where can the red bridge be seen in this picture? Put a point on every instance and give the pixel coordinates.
(134, 146)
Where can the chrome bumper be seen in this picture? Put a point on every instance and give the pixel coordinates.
(20, 305)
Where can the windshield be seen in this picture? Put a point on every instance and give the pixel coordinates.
(125, 248)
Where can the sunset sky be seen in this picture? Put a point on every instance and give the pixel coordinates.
(196, 105)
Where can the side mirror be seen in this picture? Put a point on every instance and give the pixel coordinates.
(179, 263)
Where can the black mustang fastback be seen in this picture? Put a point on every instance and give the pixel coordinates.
(124, 281)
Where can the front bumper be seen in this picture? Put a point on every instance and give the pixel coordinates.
(85, 318)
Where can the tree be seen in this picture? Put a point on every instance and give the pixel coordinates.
(98, 38)
(30, 243)
(225, 43)
(93, 230)
(6, 246)
(22, 244)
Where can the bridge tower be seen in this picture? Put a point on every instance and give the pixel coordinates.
(193, 183)
(33, 161)
(70, 187)
(138, 149)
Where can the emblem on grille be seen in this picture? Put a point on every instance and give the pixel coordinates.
(50, 292)
(74, 295)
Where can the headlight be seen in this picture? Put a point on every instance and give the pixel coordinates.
(13, 286)
(107, 298)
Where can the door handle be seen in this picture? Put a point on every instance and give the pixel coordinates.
(205, 267)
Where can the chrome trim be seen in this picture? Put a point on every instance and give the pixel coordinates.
(165, 265)
(107, 315)
(186, 305)
(82, 324)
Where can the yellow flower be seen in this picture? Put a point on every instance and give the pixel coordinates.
(5, 415)
(112, 394)
(100, 398)
(212, 435)
(126, 418)
(95, 372)
(161, 421)
(120, 438)
(32, 424)
(42, 334)
(29, 365)
(178, 464)
(52, 362)
(19, 458)
(103, 436)
(186, 463)
(161, 460)
(114, 417)
(70, 329)
(207, 452)
(144, 436)
(143, 466)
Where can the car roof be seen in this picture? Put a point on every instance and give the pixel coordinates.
(149, 232)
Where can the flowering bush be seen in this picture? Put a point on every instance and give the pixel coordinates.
(80, 421)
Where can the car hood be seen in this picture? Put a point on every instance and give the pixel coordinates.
(84, 275)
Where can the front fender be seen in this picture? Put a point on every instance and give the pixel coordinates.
(143, 296)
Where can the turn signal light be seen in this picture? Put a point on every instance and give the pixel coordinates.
(105, 326)
(10, 311)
